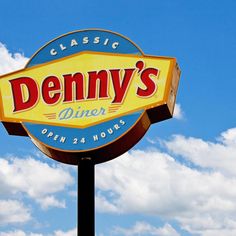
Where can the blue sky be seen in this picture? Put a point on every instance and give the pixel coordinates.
(180, 179)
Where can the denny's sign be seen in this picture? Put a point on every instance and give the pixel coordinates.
(90, 93)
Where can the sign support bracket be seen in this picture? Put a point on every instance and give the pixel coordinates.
(86, 201)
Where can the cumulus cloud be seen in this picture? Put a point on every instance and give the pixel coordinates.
(140, 228)
(219, 155)
(103, 205)
(10, 61)
(228, 137)
(34, 178)
(72, 232)
(154, 182)
(18, 233)
(143, 228)
(51, 201)
(178, 112)
(12, 211)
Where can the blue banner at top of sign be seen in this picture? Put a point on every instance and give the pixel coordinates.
(86, 40)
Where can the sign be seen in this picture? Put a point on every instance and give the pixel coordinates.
(90, 93)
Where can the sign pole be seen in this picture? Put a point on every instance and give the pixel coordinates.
(86, 212)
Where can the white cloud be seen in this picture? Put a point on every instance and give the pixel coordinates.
(229, 137)
(72, 232)
(36, 179)
(151, 182)
(9, 61)
(220, 232)
(178, 112)
(18, 233)
(143, 228)
(152, 141)
(12, 211)
(51, 201)
(218, 156)
(102, 205)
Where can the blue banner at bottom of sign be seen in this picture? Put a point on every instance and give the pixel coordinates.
(75, 139)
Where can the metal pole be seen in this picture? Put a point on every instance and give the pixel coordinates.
(86, 216)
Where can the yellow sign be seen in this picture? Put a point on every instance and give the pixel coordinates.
(86, 88)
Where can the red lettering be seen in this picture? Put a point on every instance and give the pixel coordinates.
(26, 91)
(20, 101)
(73, 83)
(121, 88)
(100, 76)
(151, 86)
(51, 90)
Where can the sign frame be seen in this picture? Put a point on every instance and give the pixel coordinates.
(128, 139)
